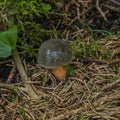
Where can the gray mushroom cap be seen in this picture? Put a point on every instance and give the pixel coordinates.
(53, 53)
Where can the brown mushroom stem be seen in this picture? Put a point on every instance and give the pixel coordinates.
(59, 72)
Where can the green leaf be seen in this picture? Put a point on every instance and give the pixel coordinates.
(46, 7)
(5, 50)
(25, 12)
(22, 110)
(70, 70)
(8, 39)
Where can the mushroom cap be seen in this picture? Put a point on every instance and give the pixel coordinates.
(53, 53)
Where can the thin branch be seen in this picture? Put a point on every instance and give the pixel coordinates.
(7, 86)
(111, 85)
(99, 9)
(118, 3)
(28, 87)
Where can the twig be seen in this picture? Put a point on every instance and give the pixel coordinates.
(102, 115)
(5, 61)
(28, 88)
(11, 75)
(111, 85)
(101, 12)
(71, 112)
(7, 86)
(118, 3)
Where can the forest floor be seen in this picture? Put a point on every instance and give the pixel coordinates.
(92, 88)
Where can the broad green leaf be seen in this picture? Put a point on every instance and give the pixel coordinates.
(5, 50)
(8, 40)
(9, 37)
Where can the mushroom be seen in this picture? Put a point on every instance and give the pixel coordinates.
(54, 54)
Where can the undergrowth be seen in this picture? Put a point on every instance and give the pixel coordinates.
(30, 17)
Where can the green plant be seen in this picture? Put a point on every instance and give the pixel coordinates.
(70, 70)
(8, 41)
(32, 18)
(85, 49)
(28, 15)
(82, 117)
(22, 110)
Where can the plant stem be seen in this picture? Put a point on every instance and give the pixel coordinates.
(28, 88)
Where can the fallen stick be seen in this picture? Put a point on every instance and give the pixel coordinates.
(28, 87)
